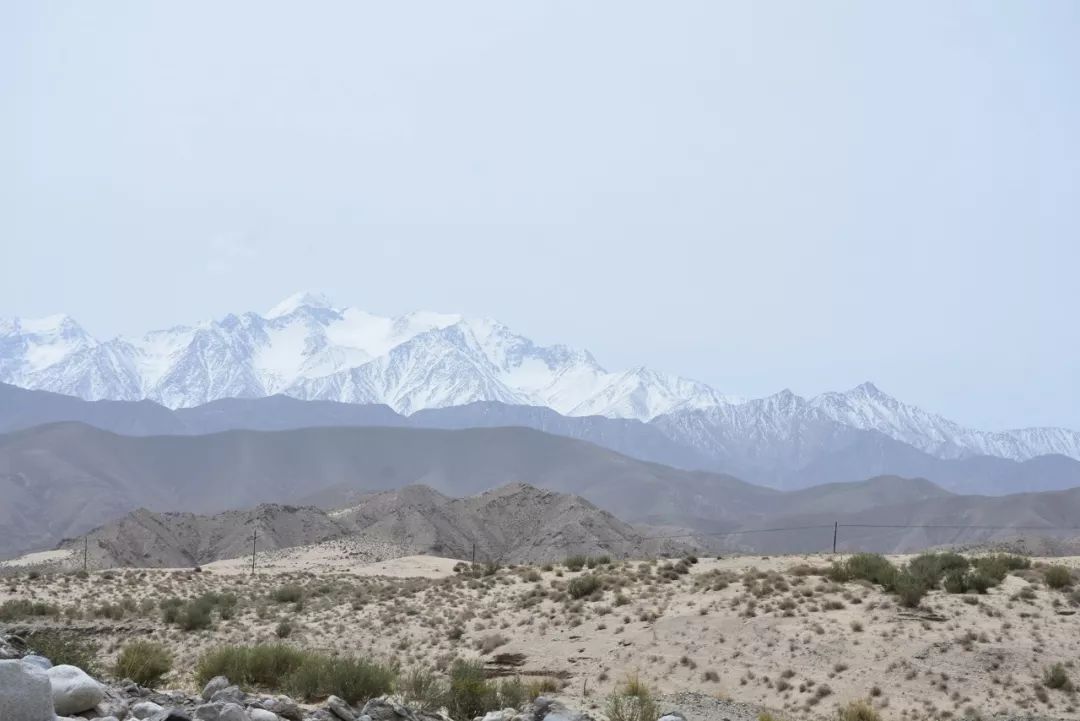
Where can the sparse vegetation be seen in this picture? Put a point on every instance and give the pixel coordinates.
(1056, 677)
(909, 589)
(144, 662)
(290, 593)
(632, 700)
(460, 637)
(871, 567)
(20, 609)
(858, 711)
(423, 690)
(306, 674)
(65, 647)
(471, 693)
(583, 586)
(1057, 577)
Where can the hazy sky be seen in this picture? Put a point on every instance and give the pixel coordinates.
(758, 195)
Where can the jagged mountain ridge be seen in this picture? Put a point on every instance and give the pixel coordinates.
(308, 349)
(803, 427)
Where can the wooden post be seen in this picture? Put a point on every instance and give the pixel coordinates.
(85, 546)
(254, 535)
(835, 528)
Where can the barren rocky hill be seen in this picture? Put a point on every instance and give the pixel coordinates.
(179, 540)
(516, 523)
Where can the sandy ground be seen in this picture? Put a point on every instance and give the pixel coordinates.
(38, 558)
(744, 629)
(322, 557)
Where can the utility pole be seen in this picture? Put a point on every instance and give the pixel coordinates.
(474, 551)
(254, 535)
(835, 528)
(85, 546)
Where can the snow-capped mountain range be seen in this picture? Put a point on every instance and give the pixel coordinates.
(307, 348)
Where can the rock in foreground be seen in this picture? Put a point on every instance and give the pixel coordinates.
(25, 694)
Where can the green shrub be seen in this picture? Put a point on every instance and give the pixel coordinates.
(956, 581)
(289, 593)
(837, 573)
(540, 686)
(353, 679)
(111, 611)
(859, 711)
(226, 605)
(470, 693)
(632, 701)
(575, 563)
(909, 589)
(19, 609)
(170, 609)
(306, 674)
(283, 630)
(1057, 576)
(144, 662)
(930, 567)
(64, 647)
(979, 582)
(195, 616)
(583, 586)
(998, 565)
(1057, 677)
(265, 665)
(872, 567)
(422, 690)
(511, 693)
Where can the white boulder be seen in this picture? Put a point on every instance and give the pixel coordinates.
(145, 709)
(73, 691)
(260, 714)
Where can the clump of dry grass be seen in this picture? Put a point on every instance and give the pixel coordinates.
(632, 700)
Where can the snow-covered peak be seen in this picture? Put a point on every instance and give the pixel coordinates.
(59, 324)
(866, 389)
(296, 301)
(40, 343)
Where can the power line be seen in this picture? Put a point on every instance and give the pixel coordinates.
(835, 527)
(954, 527)
(742, 531)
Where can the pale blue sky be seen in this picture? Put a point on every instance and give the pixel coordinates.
(759, 195)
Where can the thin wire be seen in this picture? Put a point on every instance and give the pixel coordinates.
(949, 526)
(747, 531)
